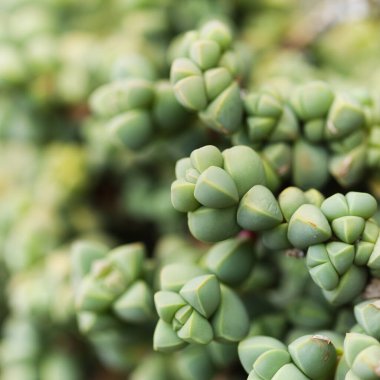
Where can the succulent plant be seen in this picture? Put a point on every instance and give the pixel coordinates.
(195, 307)
(277, 143)
(204, 76)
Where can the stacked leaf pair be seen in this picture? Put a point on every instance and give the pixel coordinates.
(136, 107)
(197, 311)
(114, 300)
(361, 356)
(308, 357)
(336, 266)
(204, 76)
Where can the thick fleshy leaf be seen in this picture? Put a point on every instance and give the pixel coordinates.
(312, 100)
(245, 167)
(355, 343)
(363, 205)
(183, 68)
(182, 166)
(129, 259)
(350, 286)
(193, 363)
(348, 168)
(367, 314)
(217, 31)
(310, 165)
(348, 228)
(216, 189)
(263, 105)
(341, 255)
(205, 53)
(213, 225)
(231, 260)
(251, 348)
(345, 116)
(167, 304)
(289, 371)
(259, 210)
(290, 200)
(206, 156)
(191, 92)
(277, 237)
(315, 355)
(270, 362)
(165, 339)
(182, 196)
(217, 80)
(366, 364)
(308, 226)
(94, 296)
(174, 276)
(230, 322)
(203, 294)
(83, 254)
(133, 128)
(136, 304)
(335, 207)
(225, 112)
(196, 330)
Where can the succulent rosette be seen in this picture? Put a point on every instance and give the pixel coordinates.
(204, 76)
(116, 282)
(114, 300)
